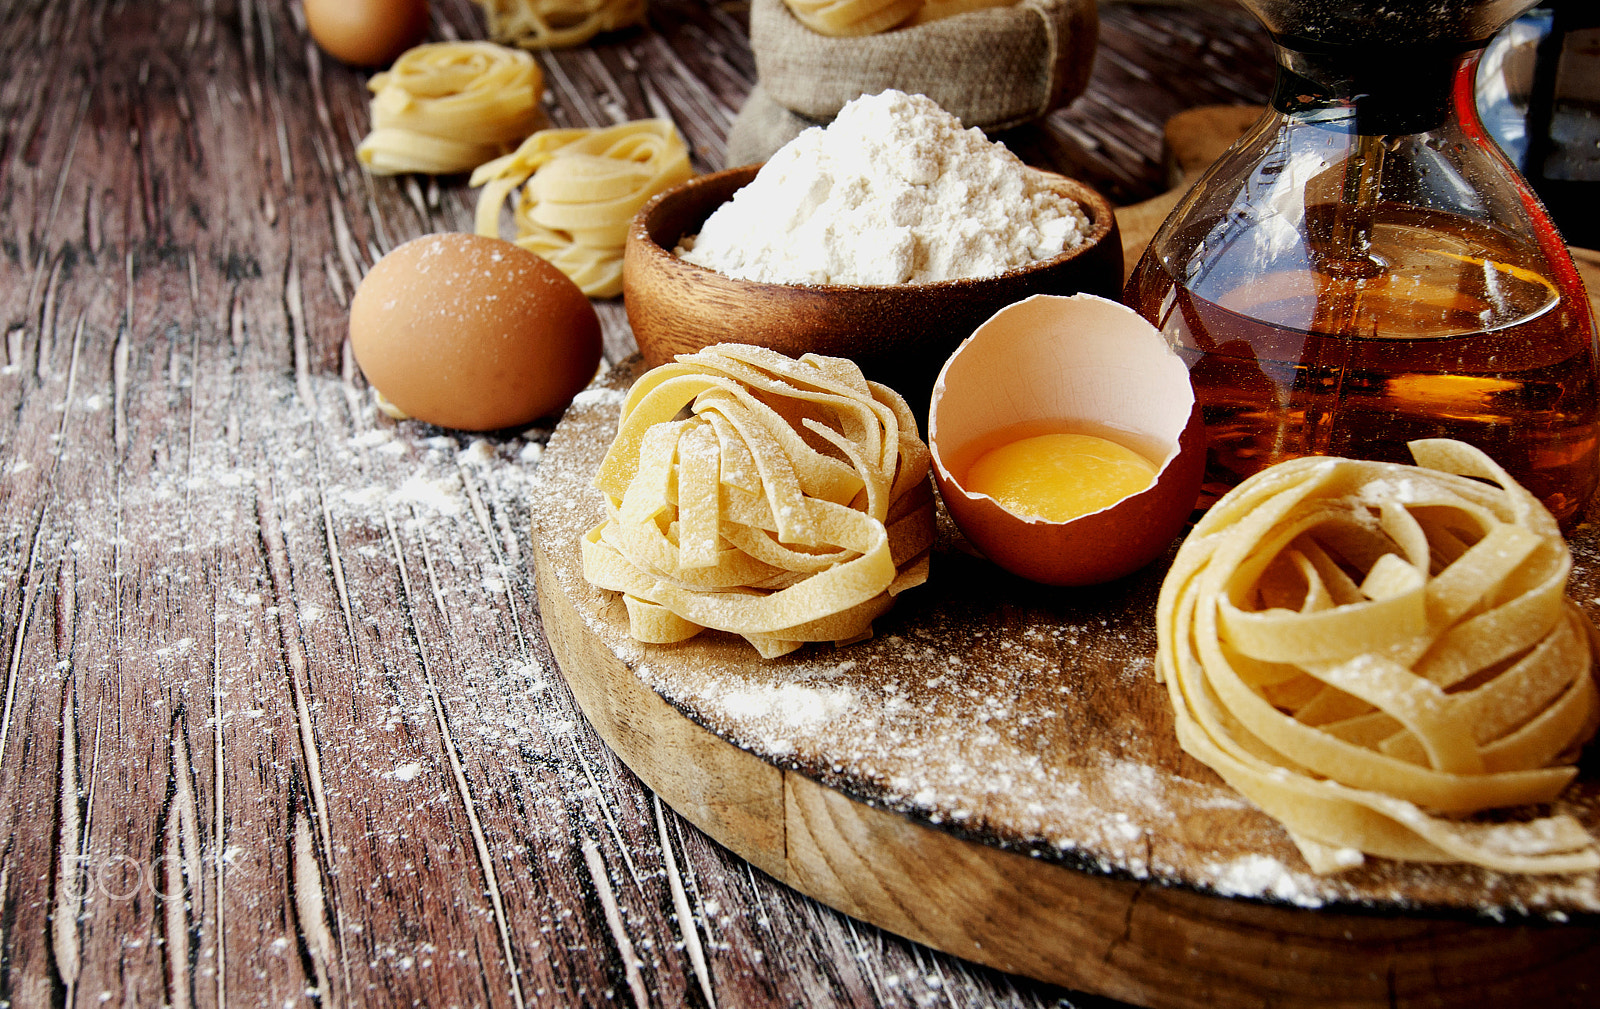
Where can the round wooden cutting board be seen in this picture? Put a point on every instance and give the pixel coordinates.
(994, 774)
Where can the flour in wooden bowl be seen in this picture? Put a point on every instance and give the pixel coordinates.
(894, 191)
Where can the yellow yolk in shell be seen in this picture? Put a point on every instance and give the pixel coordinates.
(1058, 477)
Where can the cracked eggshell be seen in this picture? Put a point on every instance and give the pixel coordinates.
(1083, 361)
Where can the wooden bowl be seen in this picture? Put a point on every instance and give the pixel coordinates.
(900, 334)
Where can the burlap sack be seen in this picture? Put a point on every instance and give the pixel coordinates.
(761, 127)
(992, 68)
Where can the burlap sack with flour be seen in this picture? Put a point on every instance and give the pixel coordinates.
(994, 68)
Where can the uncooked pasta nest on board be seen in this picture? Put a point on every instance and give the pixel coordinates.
(782, 500)
(447, 107)
(583, 188)
(1373, 652)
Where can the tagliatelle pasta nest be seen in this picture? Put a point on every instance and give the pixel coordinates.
(779, 499)
(1374, 652)
(583, 188)
(554, 24)
(845, 18)
(450, 106)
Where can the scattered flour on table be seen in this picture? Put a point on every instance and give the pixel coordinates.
(408, 771)
(894, 191)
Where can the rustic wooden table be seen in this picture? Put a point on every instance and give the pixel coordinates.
(279, 724)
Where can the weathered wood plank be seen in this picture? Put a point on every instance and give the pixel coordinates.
(280, 725)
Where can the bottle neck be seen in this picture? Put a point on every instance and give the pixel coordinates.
(1386, 90)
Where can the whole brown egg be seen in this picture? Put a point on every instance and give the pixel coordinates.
(366, 33)
(475, 333)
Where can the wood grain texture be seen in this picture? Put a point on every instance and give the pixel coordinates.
(279, 723)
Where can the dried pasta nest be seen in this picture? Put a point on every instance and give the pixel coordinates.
(448, 107)
(1374, 653)
(992, 68)
(558, 24)
(782, 500)
(579, 189)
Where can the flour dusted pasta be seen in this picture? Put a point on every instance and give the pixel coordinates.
(1373, 652)
(554, 24)
(450, 106)
(583, 188)
(790, 504)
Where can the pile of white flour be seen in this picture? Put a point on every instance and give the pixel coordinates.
(894, 191)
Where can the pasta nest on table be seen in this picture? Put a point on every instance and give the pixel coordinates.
(583, 187)
(446, 107)
(782, 500)
(1373, 652)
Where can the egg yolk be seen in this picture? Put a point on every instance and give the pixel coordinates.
(1058, 477)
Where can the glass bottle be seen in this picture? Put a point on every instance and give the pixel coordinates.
(1539, 96)
(1364, 267)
